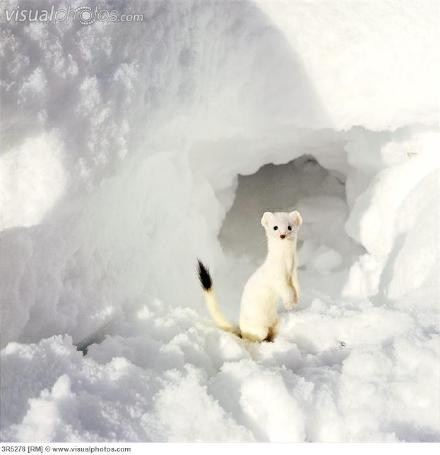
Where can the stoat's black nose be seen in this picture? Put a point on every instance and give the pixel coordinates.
(282, 236)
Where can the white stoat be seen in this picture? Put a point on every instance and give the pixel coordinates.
(275, 279)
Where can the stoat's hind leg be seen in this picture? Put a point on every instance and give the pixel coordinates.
(260, 334)
(270, 336)
(272, 333)
(252, 333)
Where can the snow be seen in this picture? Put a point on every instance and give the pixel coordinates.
(32, 173)
(129, 150)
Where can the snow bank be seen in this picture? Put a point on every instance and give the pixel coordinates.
(186, 381)
(130, 149)
(33, 174)
(364, 60)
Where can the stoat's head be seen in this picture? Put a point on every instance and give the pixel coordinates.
(281, 225)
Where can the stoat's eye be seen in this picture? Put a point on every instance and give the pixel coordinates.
(275, 228)
(289, 227)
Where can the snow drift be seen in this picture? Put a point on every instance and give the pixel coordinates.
(130, 149)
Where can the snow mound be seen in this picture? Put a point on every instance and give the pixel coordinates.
(129, 150)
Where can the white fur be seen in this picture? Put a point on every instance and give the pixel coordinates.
(275, 279)
(217, 315)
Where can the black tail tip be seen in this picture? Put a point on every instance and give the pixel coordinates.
(204, 276)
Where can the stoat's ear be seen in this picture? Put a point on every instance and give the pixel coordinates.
(267, 216)
(295, 218)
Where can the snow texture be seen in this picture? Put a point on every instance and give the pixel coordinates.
(130, 149)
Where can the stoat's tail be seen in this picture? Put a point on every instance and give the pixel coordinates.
(211, 301)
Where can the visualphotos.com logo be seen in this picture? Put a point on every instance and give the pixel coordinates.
(85, 15)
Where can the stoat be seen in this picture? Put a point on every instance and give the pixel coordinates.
(275, 279)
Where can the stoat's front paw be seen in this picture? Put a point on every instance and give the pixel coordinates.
(296, 297)
(289, 305)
